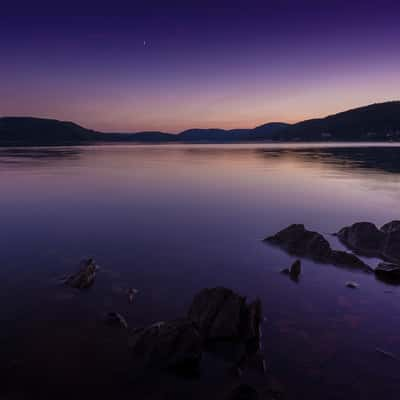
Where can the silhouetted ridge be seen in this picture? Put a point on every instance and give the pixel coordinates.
(376, 122)
(34, 131)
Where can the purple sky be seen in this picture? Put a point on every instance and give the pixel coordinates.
(240, 64)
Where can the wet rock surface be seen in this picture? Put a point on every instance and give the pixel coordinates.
(86, 275)
(222, 314)
(173, 345)
(219, 321)
(228, 325)
(365, 238)
(388, 271)
(299, 241)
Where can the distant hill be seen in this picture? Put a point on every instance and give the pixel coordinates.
(150, 136)
(213, 135)
(267, 130)
(232, 135)
(376, 122)
(40, 131)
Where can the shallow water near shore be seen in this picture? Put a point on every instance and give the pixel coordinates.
(170, 220)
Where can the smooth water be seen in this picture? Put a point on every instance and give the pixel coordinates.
(170, 220)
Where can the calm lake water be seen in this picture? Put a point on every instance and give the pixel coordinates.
(170, 220)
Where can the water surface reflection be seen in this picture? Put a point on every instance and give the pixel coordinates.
(172, 219)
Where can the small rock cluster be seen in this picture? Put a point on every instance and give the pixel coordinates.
(85, 276)
(299, 241)
(217, 316)
(365, 238)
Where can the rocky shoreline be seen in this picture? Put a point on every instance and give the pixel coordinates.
(299, 241)
(364, 238)
(221, 329)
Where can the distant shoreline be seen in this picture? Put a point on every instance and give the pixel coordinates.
(373, 123)
(277, 143)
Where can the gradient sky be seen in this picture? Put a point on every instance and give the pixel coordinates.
(204, 64)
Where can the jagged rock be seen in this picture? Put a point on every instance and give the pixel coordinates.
(251, 321)
(167, 345)
(390, 227)
(365, 238)
(229, 326)
(116, 319)
(297, 240)
(84, 278)
(218, 313)
(391, 247)
(222, 314)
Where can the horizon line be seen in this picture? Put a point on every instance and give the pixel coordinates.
(196, 128)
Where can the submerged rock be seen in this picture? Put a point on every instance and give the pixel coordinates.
(365, 238)
(116, 319)
(84, 278)
(297, 240)
(168, 345)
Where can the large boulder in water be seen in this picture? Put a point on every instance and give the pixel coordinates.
(299, 241)
(391, 247)
(217, 312)
(225, 319)
(167, 345)
(221, 313)
(85, 276)
(216, 315)
(392, 226)
(365, 238)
